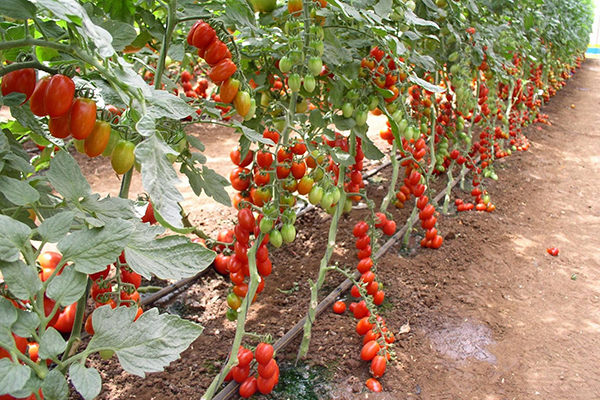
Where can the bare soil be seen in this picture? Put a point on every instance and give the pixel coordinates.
(491, 315)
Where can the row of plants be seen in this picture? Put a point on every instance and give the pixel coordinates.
(456, 80)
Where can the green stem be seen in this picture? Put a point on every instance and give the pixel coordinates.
(395, 170)
(315, 287)
(126, 184)
(76, 331)
(35, 64)
(171, 22)
(448, 187)
(409, 226)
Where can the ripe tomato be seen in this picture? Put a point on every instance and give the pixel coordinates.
(48, 307)
(240, 374)
(378, 365)
(216, 52)
(364, 265)
(248, 387)
(363, 326)
(360, 229)
(263, 353)
(236, 157)
(89, 327)
(362, 242)
(59, 95)
(102, 274)
(305, 185)
(370, 350)
(21, 344)
(149, 214)
(122, 157)
(203, 35)
(127, 297)
(129, 276)
(83, 118)
(427, 212)
(229, 89)
(222, 264)
(240, 178)
(246, 219)
(222, 71)
(374, 385)
(36, 101)
(59, 127)
(267, 370)
(48, 261)
(298, 169)
(360, 310)
(95, 143)
(389, 228)
(365, 253)
(97, 290)
(266, 385)
(272, 135)
(339, 307)
(66, 318)
(553, 251)
(21, 81)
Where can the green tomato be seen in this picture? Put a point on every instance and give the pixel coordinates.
(347, 110)
(231, 315)
(335, 194)
(373, 103)
(327, 200)
(106, 354)
(309, 83)
(315, 195)
(285, 64)
(288, 233)
(251, 111)
(266, 225)
(347, 206)
(275, 238)
(294, 82)
(264, 6)
(78, 144)
(402, 125)
(315, 65)
(289, 215)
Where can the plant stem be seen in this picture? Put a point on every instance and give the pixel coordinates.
(395, 170)
(126, 184)
(26, 64)
(76, 331)
(171, 22)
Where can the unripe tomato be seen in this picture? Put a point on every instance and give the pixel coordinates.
(122, 157)
(288, 232)
(264, 6)
(285, 64)
(309, 83)
(315, 65)
(229, 90)
(315, 195)
(241, 102)
(59, 95)
(294, 82)
(98, 139)
(276, 238)
(21, 81)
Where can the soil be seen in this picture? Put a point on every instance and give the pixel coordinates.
(491, 315)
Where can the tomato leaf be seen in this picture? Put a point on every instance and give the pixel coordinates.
(8, 316)
(14, 236)
(67, 287)
(87, 381)
(18, 192)
(72, 11)
(122, 34)
(146, 345)
(341, 157)
(165, 104)
(18, 9)
(170, 257)
(66, 177)
(411, 18)
(371, 151)
(342, 123)
(93, 249)
(195, 142)
(159, 178)
(22, 279)
(55, 386)
(13, 377)
(108, 207)
(26, 322)
(56, 227)
(51, 344)
(426, 85)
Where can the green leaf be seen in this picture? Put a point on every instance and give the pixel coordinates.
(411, 18)
(251, 134)
(108, 207)
(166, 104)
(240, 12)
(14, 236)
(176, 51)
(33, 385)
(214, 186)
(22, 280)
(146, 345)
(13, 377)
(8, 316)
(56, 227)
(121, 10)
(426, 85)
(195, 142)
(66, 177)
(383, 7)
(122, 34)
(371, 151)
(87, 381)
(341, 157)
(55, 386)
(343, 123)
(159, 178)
(26, 323)
(28, 120)
(72, 11)
(316, 119)
(51, 344)
(170, 257)
(18, 192)
(68, 287)
(125, 73)
(93, 249)
(14, 99)
(18, 9)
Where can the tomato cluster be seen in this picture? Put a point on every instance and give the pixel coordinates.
(268, 370)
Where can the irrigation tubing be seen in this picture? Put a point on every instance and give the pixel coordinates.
(232, 388)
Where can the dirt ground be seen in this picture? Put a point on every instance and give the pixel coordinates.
(491, 314)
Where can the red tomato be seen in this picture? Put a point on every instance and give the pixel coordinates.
(48, 260)
(59, 127)
(339, 307)
(389, 228)
(267, 370)
(36, 102)
(363, 326)
(102, 274)
(263, 353)
(370, 350)
(66, 319)
(237, 181)
(240, 373)
(553, 251)
(378, 365)
(203, 35)
(266, 385)
(21, 344)
(298, 169)
(363, 242)
(236, 157)
(274, 136)
(360, 229)
(222, 71)
(246, 219)
(374, 385)
(59, 95)
(216, 52)
(222, 263)
(229, 90)
(149, 214)
(248, 387)
(83, 118)
(129, 276)
(21, 81)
